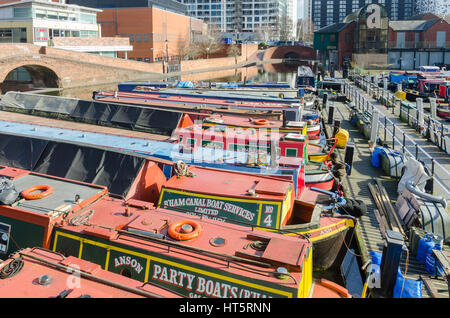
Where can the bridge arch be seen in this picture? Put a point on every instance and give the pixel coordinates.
(41, 74)
(290, 51)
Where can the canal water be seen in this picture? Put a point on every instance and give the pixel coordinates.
(260, 73)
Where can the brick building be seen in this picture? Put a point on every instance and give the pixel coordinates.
(157, 29)
(423, 40)
(409, 44)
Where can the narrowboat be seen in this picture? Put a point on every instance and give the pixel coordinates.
(283, 96)
(305, 78)
(443, 110)
(412, 95)
(444, 90)
(144, 178)
(258, 201)
(40, 273)
(236, 139)
(128, 86)
(284, 126)
(191, 256)
(232, 89)
(430, 86)
(199, 103)
(320, 153)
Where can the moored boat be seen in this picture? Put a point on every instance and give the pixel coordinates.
(189, 255)
(41, 273)
(129, 183)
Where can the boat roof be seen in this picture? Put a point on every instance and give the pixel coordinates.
(116, 227)
(231, 184)
(147, 147)
(38, 262)
(241, 122)
(154, 120)
(187, 102)
(70, 159)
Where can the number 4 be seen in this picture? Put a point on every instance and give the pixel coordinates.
(268, 220)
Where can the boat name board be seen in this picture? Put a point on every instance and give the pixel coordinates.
(128, 261)
(196, 285)
(253, 212)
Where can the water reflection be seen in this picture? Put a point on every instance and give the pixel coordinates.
(260, 73)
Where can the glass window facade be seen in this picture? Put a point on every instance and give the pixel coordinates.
(13, 35)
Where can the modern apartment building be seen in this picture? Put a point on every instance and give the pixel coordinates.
(323, 13)
(246, 19)
(440, 7)
(60, 25)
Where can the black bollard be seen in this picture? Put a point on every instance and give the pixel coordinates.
(349, 151)
(392, 253)
(337, 125)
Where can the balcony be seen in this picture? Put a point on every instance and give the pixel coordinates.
(418, 45)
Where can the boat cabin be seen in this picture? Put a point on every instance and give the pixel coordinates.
(278, 126)
(247, 140)
(430, 85)
(131, 238)
(444, 90)
(429, 69)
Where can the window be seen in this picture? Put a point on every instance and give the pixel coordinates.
(52, 15)
(88, 18)
(41, 14)
(22, 12)
(291, 152)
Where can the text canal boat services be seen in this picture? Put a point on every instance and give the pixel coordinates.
(258, 201)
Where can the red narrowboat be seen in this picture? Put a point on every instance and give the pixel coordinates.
(40, 273)
(189, 255)
(296, 127)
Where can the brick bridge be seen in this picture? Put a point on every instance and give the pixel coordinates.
(290, 52)
(49, 67)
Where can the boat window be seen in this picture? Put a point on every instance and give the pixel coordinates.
(291, 152)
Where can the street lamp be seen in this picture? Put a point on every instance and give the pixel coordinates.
(167, 50)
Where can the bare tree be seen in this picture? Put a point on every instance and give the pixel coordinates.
(305, 31)
(234, 50)
(188, 50)
(286, 28)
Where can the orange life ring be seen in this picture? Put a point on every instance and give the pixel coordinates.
(180, 236)
(260, 121)
(47, 191)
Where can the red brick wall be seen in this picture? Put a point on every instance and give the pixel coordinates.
(149, 29)
(428, 35)
(346, 42)
(279, 52)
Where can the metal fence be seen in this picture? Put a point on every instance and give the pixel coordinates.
(431, 128)
(397, 139)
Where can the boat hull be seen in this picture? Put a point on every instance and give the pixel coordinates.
(328, 241)
(327, 252)
(323, 180)
(443, 112)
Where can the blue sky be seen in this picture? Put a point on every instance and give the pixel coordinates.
(300, 8)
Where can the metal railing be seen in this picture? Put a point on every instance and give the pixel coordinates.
(418, 45)
(431, 128)
(392, 135)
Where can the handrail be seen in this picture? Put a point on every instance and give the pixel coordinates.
(355, 94)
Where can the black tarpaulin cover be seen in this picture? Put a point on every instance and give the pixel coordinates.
(114, 169)
(156, 121)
